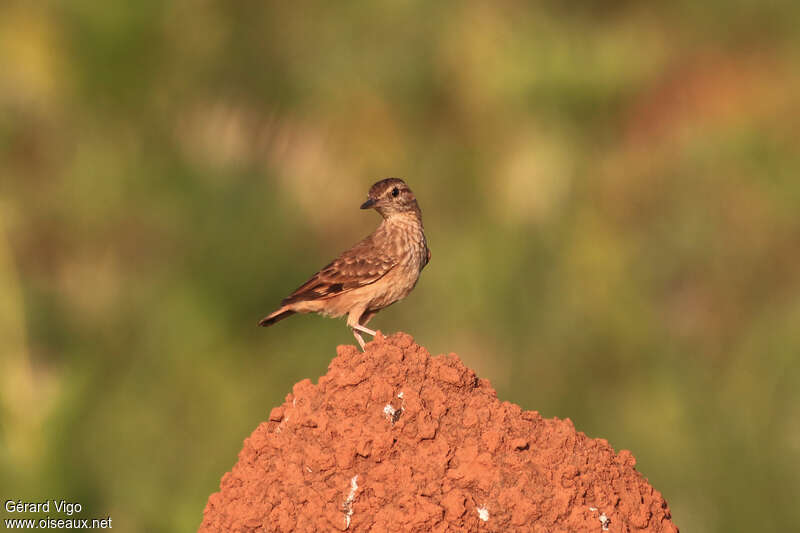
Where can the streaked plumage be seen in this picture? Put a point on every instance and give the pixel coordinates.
(375, 273)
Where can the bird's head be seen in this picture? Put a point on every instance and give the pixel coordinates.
(391, 197)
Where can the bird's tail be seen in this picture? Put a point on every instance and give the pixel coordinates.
(276, 316)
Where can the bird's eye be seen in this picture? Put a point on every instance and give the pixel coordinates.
(395, 191)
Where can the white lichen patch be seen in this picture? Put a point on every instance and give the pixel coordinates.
(393, 413)
(348, 502)
(353, 488)
(483, 513)
(605, 521)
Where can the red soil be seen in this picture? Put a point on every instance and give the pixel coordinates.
(395, 440)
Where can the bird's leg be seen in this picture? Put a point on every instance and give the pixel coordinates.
(358, 337)
(359, 328)
(364, 329)
(354, 319)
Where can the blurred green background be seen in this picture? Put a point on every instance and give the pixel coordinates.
(610, 192)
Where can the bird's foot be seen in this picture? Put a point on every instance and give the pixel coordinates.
(360, 340)
(356, 333)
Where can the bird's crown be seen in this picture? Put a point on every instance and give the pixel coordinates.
(380, 188)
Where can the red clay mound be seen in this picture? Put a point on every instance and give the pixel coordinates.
(395, 440)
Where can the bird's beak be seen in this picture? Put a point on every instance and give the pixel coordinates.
(369, 203)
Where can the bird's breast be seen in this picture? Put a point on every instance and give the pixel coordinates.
(405, 241)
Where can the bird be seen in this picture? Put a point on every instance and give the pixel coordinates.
(376, 272)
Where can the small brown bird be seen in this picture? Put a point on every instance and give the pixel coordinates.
(375, 273)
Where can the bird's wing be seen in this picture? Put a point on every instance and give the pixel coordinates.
(361, 265)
